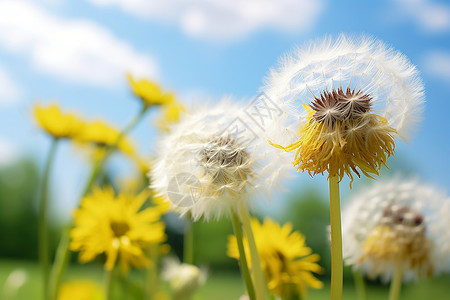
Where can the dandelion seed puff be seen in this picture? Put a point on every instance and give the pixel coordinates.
(349, 98)
(213, 160)
(397, 222)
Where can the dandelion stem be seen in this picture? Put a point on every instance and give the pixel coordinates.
(63, 246)
(44, 253)
(360, 285)
(61, 259)
(242, 259)
(152, 282)
(188, 243)
(260, 281)
(109, 150)
(336, 240)
(396, 283)
(109, 277)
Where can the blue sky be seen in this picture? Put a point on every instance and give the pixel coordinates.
(77, 52)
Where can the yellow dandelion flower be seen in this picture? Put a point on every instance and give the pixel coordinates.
(116, 227)
(149, 92)
(80, 290)
(103, 135)
(171, 114)
(57, 123)
(286, 260)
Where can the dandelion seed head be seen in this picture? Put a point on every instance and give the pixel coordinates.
(349, 98)
(397, 221)
(223, 150)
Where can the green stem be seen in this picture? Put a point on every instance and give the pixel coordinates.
(61, 260)
(260, 281)
(63, 246)
(152, 282)
(188, 243)
(336, 240)
(109, 150)
(360, 285)
(109, 277)
(44, 253)
(242, 258)
(396, 283)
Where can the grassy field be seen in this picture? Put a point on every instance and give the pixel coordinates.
(225, 285)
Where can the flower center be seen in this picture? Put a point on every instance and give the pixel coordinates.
(338, 105)
(226, 161)
(119, 228)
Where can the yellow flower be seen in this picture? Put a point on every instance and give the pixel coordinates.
(80, 290)
(340, 141)
(171, 114)
(56, 123)
(149, 92)
(104, 135)
(117, 227)
(287, 262)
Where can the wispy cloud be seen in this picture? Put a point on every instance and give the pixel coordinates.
(437, 63)
(226, 20)
(76, 50)
(9, 90)
(429, 15)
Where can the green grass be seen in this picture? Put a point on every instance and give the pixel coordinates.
(224, 285)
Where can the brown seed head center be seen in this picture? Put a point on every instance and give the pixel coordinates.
(225, 160)
(338, 105)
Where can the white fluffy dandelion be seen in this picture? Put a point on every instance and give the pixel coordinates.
(213, 160)
(346, 99)
(398, 224)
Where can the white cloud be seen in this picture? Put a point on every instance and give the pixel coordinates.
(437, 63)
(9, 90)
(76, 50)
(430, 16)
(221, 20)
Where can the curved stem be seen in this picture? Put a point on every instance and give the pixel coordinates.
(44, 253)
(336, 240)
(360, 285)
(242, 258)
(396, 283)
(260, 281)
(188, 242)
(63, 246)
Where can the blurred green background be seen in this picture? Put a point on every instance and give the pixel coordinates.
(307, 210)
